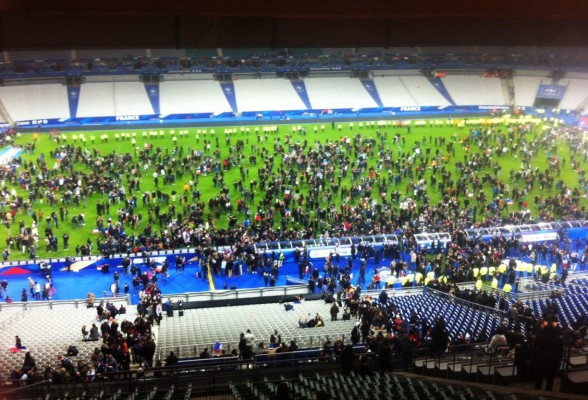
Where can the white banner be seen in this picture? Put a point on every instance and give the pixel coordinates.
(323, 252)
(539, 236)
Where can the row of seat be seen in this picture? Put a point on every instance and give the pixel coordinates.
(354, 386)
(459, 318)
(477, 366)
(154, 393)
(48, 332)
(203, 327)
(199, 328)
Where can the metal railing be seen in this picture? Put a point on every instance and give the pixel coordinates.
(462, 362)
(310, 340)
(192, 350)
(219, 295)
(211, 375)
(535, 295)
(524, 283)
(542, 291)
(394, 292)
(54, 303)
(13, 317)
(205, 375)
(456, 300)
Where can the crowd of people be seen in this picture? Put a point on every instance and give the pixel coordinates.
(121, 343)
(290, 193)
(286, 190)
(535, 344)
(380, 190)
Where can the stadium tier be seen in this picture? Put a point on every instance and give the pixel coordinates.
(266, 94)
(408, 91)
(526, 89)
(192, 97)
(202, 328)
(193, 332)
(575, 93)
(475, 90)
(196, 97)
(333, 93)
(35, 101)
(394, 93)
(47, 331)
(114, 98)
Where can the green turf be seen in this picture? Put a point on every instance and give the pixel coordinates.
(205, 185)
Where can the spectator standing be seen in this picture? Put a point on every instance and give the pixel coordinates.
(549, 349)
(334, 311)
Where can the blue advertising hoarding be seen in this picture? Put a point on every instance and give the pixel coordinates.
(555, 92)
(155, 119)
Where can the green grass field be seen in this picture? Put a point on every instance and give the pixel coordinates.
(189, 142)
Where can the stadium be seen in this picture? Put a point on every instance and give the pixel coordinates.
(247, 204)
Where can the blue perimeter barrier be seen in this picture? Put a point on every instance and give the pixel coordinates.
(318, 249)
(265, 117)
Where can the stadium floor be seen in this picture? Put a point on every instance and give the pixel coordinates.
(70, 285)
(76, 285)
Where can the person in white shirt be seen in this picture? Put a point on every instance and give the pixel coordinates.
(48, 289)
(497, 341)
(37, 291)
(114, 289)
(159, 311)
(303, 320)
(338, 253)
(249, 338)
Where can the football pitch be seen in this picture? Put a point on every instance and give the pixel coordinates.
(240, 153)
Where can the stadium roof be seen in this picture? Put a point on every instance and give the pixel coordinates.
(52, 24)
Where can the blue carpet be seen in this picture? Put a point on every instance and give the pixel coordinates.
(76, 285)
(71, 285)
(255, 280)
